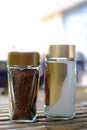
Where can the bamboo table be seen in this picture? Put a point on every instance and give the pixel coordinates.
(78, 123)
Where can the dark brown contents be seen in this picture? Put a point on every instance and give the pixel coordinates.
(24, 94)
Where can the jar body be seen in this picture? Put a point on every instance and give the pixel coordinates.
(23, 89)
(60, 88)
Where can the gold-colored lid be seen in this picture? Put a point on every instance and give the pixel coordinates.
(23, 58)
(64, 51)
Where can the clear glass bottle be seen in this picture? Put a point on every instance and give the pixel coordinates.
(60, 82)
(23, 74)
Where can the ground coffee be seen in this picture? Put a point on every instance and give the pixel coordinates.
(24, 93)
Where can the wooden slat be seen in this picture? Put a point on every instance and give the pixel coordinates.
(79, 122)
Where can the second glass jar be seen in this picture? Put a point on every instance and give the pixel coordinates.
(60, 82)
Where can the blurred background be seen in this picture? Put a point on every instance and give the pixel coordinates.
(32, 25)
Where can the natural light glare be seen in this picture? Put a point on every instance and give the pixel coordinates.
(21, 28)
(19, 25)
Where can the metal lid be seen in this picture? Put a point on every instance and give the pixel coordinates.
(23, 58)
(65, 51)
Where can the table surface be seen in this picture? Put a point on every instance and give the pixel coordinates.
(79, 122)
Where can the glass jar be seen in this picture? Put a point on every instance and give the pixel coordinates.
(23, 74)
(60, 82)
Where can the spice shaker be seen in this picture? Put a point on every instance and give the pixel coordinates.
(23, 74)
(60, 82)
